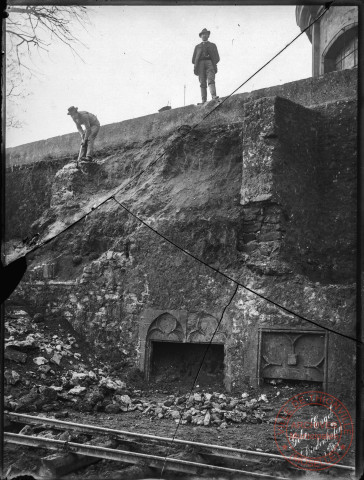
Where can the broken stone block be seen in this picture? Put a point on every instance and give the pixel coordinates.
(125, 399)
(112, 408)
(77, 390)
(29, 343)
(207, 419)
(187, 418)
(44, 368)
(77, 378)
(110, 384)
(93, 396)
(198, 420)
(197, 397)
(11, 377)
(175, 414)
(18, 313)
(56, 358)
(61, 464)
(28, 402)
(40, 360)
(56, 389)
(15, 355)
(27, 430)
(233, 417)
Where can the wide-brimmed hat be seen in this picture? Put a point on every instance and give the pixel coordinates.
(204, 31)
(72, 110)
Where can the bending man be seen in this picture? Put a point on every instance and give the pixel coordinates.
(92, 127)
(205, 59)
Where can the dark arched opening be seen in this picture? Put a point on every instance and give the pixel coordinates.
(343, 51)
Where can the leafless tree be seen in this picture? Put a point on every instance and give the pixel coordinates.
(34, 28)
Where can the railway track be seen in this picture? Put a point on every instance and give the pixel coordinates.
(131, 448)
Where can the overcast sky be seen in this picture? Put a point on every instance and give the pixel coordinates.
(139, 58)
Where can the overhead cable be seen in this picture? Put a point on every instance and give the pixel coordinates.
(118, 190)
(36, 247)
(219, 272)
(197, 375)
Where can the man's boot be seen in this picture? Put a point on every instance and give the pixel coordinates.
(212, 88)
(203, 95)
(83, 151)
(90, 148)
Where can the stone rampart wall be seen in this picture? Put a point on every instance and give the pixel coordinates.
(307, 92)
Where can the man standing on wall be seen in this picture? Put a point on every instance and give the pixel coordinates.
(205, 59)
(92, 126)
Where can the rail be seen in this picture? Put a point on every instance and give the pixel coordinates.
(128, 457)
(80, 427)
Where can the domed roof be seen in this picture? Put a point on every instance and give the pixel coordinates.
(306, 14)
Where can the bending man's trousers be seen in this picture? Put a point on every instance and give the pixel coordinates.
(88, 147)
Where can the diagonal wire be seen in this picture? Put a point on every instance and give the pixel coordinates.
(196, 377)
(45, 242)
(327, 6)
(287, 310)
(111, 196)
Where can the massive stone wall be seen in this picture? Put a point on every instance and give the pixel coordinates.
(254, 197)
(337, 182)
(307, 92)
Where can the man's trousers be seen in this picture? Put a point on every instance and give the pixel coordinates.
(206, 75)
(88, 148)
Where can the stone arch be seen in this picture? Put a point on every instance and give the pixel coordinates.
(165, 328)
(345, 39)
(204, 330)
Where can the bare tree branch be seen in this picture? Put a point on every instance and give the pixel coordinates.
(33, 28)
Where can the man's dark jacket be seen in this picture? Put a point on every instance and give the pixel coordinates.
(214, 55)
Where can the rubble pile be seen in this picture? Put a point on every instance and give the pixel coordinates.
(204, 409)
(49, 372)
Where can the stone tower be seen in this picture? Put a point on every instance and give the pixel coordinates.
(334, 37)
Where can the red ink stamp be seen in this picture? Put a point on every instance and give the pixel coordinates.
(313, 430)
